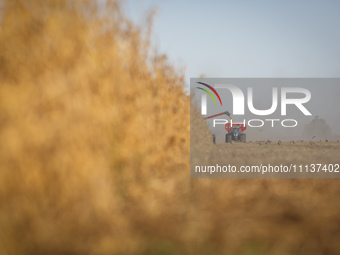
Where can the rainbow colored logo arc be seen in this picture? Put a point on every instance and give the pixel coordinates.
(212, 89)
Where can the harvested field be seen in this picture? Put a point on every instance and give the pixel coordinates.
(94, 154)
(280, 153)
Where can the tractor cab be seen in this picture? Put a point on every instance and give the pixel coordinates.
(235, 132)
(235, 129)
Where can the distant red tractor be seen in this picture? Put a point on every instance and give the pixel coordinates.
(235, 129)
(235, 132)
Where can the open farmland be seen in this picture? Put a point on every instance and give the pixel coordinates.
(277, 153)
(95, 149)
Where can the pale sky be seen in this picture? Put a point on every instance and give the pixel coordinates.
(247, 38)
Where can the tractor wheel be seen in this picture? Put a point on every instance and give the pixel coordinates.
(228, 138)
(243, 138)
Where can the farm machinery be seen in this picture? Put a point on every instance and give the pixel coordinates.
(235, 130)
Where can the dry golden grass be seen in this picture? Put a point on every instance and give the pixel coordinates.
(82, 103)
(94, 152)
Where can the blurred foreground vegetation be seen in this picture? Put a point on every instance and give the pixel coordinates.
(94, 151)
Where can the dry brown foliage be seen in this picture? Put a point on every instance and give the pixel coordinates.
(91, 128)
(94, 153)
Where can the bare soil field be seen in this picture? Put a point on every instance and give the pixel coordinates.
(95, 151)
(299, 159)
(281, 152)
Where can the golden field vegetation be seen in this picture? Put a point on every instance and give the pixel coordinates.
(94, 152)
